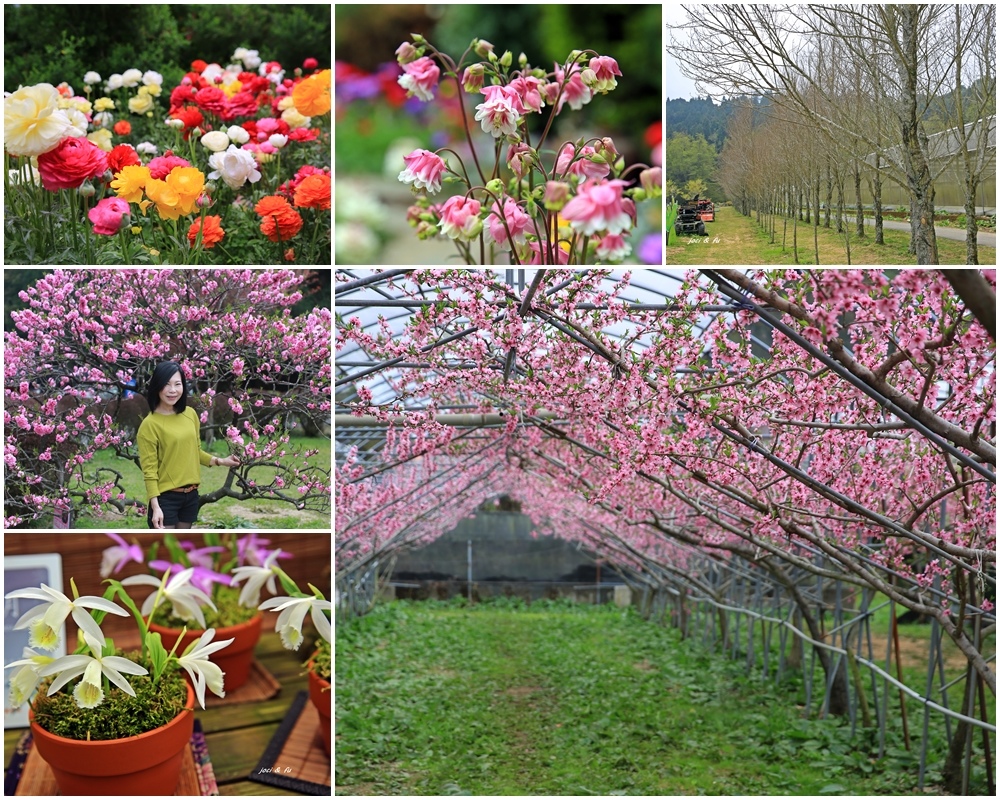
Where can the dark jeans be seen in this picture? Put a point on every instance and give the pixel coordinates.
(176, 507)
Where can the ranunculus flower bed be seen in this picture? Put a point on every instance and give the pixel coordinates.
(230, 166)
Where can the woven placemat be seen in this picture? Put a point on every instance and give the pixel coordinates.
(29, 775)
(294, 759)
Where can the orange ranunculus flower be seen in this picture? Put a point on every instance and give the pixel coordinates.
(312, 95)
(212, 234)
(130, 181)
(280, 221)
(313, 192)
(166, 198)
(123, 127)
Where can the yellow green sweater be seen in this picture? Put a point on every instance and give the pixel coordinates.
(170, 451)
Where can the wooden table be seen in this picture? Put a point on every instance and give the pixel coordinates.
(237, 735)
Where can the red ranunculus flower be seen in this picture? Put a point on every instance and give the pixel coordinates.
(198, 66)
(310, 63)
(211, 99)
(123, 155)
(123, 127)
(181, 95)
(71, 163)
(241, 104)
(211, 236)
(302, 135)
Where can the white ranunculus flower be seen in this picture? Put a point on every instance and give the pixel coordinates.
(131, 77)
(33, 123)
(77, 123)
(147, 148)
(238, 134)
(150, 78)
(114, 82)
(235, 166)
(216, 141)
(278, 140)
(211, 72)
(103, 119)
(294, 119)
(91, 78)
(251, 60)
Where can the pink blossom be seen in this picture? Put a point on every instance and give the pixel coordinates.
(498, 115)
(423, 170)
(613, 247)
(420, 78)
(460, 218)
(583, 165)
(599, 207)
(472, 78)
(238, 365)
(527, 89)
(573, 90)
(517, 223)
(605, 69)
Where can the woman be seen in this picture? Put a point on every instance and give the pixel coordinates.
(170, 451)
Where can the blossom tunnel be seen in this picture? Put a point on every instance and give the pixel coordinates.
(780, 451)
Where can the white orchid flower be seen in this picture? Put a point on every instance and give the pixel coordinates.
(53, 613)
(293, 612)
(24, 681)
(88, 693)
(202, 671)
(185, 598)
(255, 578)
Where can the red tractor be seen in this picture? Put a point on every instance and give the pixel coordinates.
(692, 216)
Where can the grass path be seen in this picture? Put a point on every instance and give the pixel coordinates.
(437, 699)
(735, 239)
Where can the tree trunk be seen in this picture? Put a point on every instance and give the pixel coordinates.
(971, 228)
(829, 194)
(877, 201)
(859, 219)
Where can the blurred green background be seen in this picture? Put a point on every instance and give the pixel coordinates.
(55, 43)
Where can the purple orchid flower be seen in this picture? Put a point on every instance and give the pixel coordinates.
(114, 558)
(202, 577)
(201, 556)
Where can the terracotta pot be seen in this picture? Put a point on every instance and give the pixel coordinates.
(234, 660)
(147, 764)
(319, 693)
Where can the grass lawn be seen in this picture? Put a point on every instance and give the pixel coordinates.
(556, 699)
(735, 239)
(228, 512)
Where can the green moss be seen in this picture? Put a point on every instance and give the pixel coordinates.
(226, 600)
(119, 715)
(321, 660)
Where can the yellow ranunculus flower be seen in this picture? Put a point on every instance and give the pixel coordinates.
(78, 103)
(102, 138)
(32, 121)
(286, 102)
(140, 104)
(104, 104)
(129, 183)
(153, 90)
(166, 198)
(189, 183)
(312, 96)
(143, 91)
(231, 88)
(294, 119)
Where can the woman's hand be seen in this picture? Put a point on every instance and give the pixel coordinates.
(157, 516)
(228, 461)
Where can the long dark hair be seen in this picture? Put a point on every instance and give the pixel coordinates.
(164, 371)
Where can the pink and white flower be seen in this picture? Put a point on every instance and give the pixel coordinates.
(460, 218)
(528, 89)
(423, 170)
(604, 69)
(517, 222)
(420, 78)
(599, 207)
(583, 166)
(573, 90)
(613, 247)
(499, 116)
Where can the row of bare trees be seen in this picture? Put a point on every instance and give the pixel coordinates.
(850, 93)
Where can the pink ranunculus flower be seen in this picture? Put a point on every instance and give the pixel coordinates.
(71, 163)
(583, 166)
(460, 218)
(605, 69)
(613, 247)
(599, 207)
(517, 222)
(498, 116)
(420, 78)
(423, 170)
(109, 215)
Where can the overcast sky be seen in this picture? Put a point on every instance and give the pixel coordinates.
(676, 84)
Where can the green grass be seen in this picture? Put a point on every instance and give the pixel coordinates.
(735, 239)
(227, 512)
(556, 699)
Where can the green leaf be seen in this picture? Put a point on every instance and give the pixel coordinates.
(157, 654)
(832, 788)
(177, 553)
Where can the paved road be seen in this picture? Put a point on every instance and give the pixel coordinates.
(984, 238)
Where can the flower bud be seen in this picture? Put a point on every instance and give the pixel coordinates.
(203, 201)
(406, 53)
(210, 188)
(417, 38)
(652, 181)
(522, 61)
(495, 186)
(513, 138)
(482, 48)
(556, 195)
(608, 146)
(589, 78)
(506, 59)
(472, 79)
(87, 190)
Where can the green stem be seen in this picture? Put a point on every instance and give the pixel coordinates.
(124, 244)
